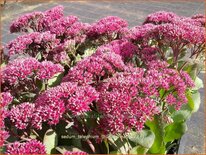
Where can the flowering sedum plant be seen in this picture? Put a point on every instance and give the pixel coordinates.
(77, 88)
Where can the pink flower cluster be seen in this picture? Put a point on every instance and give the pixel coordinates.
(199, 18)
(110, 81)
(140, 33)
(34, 43)
(67, 97)
(30, 147)
(22, 68)
(47, 70)
(21, 115)
(161, 17)
(95, 68)
(159, 76)
(5, 100)
(180, 32)
(60, 26)
(136, 91)
(108, 26)
(122, 47)
(70, 28)
(124, 90)
(36, 21)
(148, 54)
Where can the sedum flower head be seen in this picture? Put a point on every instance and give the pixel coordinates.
(30, 147)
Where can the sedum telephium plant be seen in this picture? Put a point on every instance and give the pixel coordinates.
(76, 88)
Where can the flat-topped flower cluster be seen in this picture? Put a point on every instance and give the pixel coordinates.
(53, 80)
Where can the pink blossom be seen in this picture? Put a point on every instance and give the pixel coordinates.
(199, 18)
(95, 67)
(67, 97)
(107, 26)
(30, 147)
(161, 17)
(21, 115)
(140, 33)
(148, 54)
(6, 99)
(47, 70)
(180, 32)
(36, 21)
(27, 22)
(122, 47)
(122, 90)
(33, 44)
(189, 82)
(19, 69)
(60, 26)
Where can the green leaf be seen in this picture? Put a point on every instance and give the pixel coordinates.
(2, 150)
(198, 83)
(157, 127)
(144, 138)
(63, 149)
(55, 80)
(3, 64)
(38, 56)
(40, 85)
(115, 152)
(28, 95)
(138, 150)
(180, 116)
(174, 131)
(194, 101)
(50, 141)
(119, 143)
(161, 92)
(107, 146)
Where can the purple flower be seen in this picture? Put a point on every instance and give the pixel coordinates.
(36, 21)
(122, 47)
(30, 147)
(47, 70)
(21, 115)
(109, 27)
(161, 17)
(123, 90)
(67, 97)
(34, 43)
(94, 68)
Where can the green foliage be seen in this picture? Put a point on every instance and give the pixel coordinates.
(174, 131)
(50, 141)
(157, 127)
(55, 80)
(63, 149)
(145, 138)
(194, 100)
